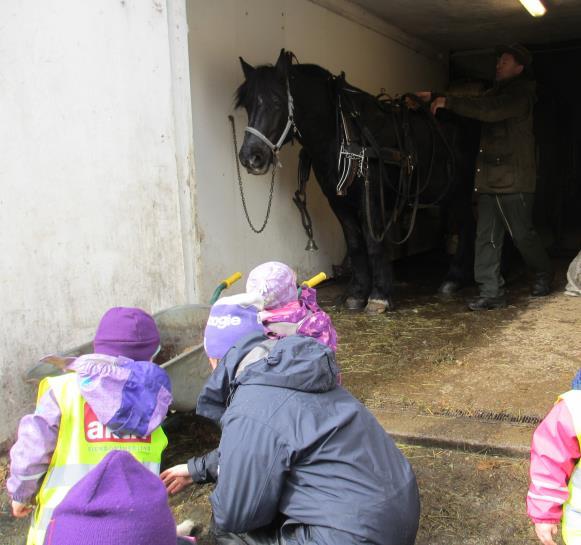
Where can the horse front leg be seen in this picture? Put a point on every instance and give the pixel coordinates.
(381, 296)
(359, 286)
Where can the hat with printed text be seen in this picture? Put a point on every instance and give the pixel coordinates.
(232, 318)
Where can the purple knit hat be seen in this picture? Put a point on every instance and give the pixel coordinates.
(129, 332)
(231, 318)
(275, 282)
(119, 502)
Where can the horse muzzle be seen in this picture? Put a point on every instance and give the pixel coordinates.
(255, 161)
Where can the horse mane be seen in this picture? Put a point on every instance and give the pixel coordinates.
(265, 76)
(312, 70)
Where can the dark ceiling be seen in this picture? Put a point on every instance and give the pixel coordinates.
(476, 24)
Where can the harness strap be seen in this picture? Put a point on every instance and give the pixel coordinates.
(300, 197)
(409, 186)
(390, 156)
(273, 147)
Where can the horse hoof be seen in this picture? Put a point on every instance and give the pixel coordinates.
(354, 303)
(449, 287)
(379, 306)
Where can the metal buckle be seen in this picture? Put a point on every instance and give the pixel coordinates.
(344, 164)
(409, 164)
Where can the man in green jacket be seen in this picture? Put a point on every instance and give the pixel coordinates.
(505, 175)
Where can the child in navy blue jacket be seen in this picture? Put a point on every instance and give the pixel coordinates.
(300, 459)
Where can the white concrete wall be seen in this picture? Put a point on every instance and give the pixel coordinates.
(219, 32)
(97, 179)
(89, 192)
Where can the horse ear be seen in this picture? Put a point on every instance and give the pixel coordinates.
(282, 64)
(248, 69)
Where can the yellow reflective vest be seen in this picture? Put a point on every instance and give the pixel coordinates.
(571, 525)
(82, 443)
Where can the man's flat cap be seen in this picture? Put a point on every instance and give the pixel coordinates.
(520, 53)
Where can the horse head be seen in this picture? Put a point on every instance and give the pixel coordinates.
(266, 98)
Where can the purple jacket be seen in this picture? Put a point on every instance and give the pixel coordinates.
(129, 397)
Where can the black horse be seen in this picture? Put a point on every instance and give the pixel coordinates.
(395, 159)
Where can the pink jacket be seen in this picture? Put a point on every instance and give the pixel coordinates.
(554, 454)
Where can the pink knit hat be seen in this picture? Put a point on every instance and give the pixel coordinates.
(275, 282)
(284, 312)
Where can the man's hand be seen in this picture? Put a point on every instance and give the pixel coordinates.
(545, 532)
(176, 478)
(438, 103)
(21, 510)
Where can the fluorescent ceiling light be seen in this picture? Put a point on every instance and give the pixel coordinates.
(534, 7)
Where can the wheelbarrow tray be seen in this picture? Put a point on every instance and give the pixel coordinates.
(182, 355)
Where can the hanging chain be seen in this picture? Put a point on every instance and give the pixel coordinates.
(274, 165)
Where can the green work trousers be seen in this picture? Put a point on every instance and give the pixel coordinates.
(497, 214)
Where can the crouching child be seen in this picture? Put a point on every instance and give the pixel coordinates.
(114, 399)
(300, 460)
(119, 502)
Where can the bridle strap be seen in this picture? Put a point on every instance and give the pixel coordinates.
(290, 124)
(273, 147)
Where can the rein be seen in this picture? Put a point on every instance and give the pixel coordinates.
(353, 158)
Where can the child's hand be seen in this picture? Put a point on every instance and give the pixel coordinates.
(545, 532)
(21, 510)
(176, 478)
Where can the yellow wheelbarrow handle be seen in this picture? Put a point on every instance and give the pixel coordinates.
(315, 280)
(232, 279)
(312, 282)
(223, 285)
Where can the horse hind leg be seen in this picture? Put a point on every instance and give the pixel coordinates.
(460, 271)
(379, 306)
(358, 288)
(453, 282)
(379, 301)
